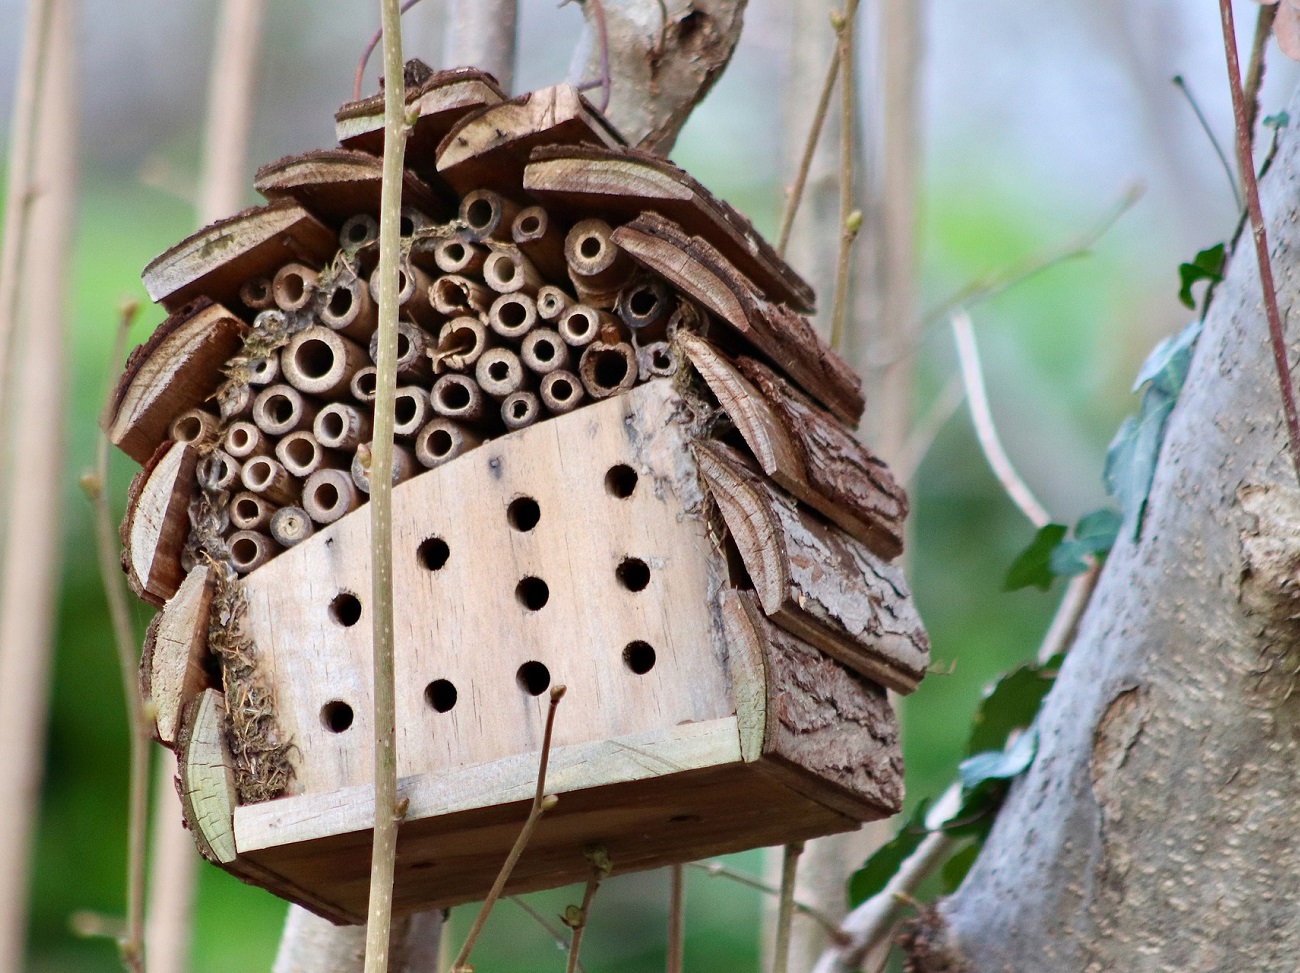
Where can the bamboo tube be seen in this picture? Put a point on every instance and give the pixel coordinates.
(512, 316)
(488, 215)
(196, 427)
(234, 401)
(281, 409)
(329, 494)
(294, 286)
(359, 231)
(597, 267)
(561, 391)
(363, 385)
(581, 325)
(264, 371)
(413, 221)
(646, 307)
(606, 370)
(519, 409)
(411, 411)
(499, 372)
(460, 344)
(341, 426)
(349, 310)
(541, 241)
(255, 293)
(290, 526)
(403, 466)
(458, 397)
(217, 471)
(508, 271)
(412, 293)
(412, 352)
(248, 511)
(270, 321)
(453, 294)
(266, 477)
(456, 256)
(301, 455)
(443, 439)
(250, 549)
(552, 302)
(243, 439)
(544, 351)
(321, 362)
(656, 360)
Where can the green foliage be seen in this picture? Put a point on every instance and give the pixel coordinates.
(1033, 568)
(883, 864)
(956, 867)
(1276, 122)
(1208, 266)
(1011, 704)
(1050, 556)
(1131, 458)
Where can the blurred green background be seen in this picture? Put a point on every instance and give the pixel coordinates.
(1036, 118)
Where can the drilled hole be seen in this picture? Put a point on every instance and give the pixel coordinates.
(523, 513)
(441, 695)
(533, 593)
(434, 553)
(590, 247)
(634, 574)
(345, 609)
(314, 358)
(336, 715)
(620, 481)
(610, 370)
(533, 678)
(479, 214)
(639, 657)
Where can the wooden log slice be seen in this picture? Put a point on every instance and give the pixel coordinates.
(335, 184)
(157, 522)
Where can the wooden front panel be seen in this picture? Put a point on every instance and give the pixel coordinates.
(469, 622)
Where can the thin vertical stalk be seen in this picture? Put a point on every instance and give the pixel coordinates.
(785, 911)
(676, 919)
(577, 918)
(1255, 67)
(387, 814)
(849, 226)
(809, 149)
(95, 485)
(1246, 163)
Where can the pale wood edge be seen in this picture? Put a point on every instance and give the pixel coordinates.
(290, 820)
(207, 778)
(174, 645)
(469, 90)
(747, 666)
(147, 585)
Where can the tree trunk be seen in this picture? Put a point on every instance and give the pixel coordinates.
(1155, 829)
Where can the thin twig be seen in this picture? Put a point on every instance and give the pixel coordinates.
(850, 219)
(388, 814)
(1255, 67)
(371, 44)
(1065, 623)
(676, 919)
(785, 907)
(926, 430)
(985, 429)
(541, 804)
(991, 285)
(809, 150)
(576, 918)
(719, 870)
(95, 485)
(551, 930)
(605, 81)
(1181, 85)
(1247, 166)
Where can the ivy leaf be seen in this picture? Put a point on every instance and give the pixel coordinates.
(1033, 566)
(1167, 365)
(1095, 534)
(999, 764)
(956, 867)
(1278, 121)
(1010, 704)
(1207, 265)
(875, 874)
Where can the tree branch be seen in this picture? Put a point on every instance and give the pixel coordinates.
(482, 34)
(663, 57)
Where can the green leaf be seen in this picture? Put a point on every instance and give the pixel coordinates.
(1033, 566)
(1094, 534)
(875, 874)
(1131, 458)
(1280, 120)
(999, 764)
(1167, 365)
(956, 867)
(1010, 704)
(1208, 265)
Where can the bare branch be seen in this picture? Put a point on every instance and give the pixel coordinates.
(663, 57)
(785, 911)
(481, 34)
(676, 919)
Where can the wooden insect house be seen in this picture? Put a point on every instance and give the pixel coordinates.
(624, 463)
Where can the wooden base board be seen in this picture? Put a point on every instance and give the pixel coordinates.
(642, 824)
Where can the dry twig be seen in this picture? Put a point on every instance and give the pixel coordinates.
(809, 150)
(1246, 164)
(850, 219)
(551, 930)
(575, 917)
(785, 911)
(676, 919)
(719, 870)
(1255, 67)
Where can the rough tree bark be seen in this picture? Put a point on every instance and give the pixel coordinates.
(1156, 828)
(662, 57)
(481, 34)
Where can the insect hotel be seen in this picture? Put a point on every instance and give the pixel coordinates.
(624, 464)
